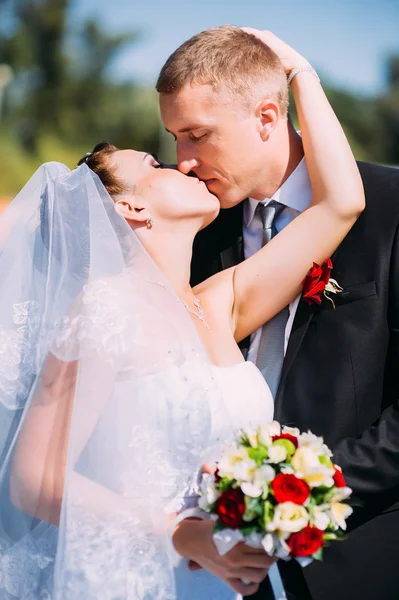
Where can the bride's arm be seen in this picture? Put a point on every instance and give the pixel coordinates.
(271, 278)
(42, 450)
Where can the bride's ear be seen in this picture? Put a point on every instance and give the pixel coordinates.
(133, 209)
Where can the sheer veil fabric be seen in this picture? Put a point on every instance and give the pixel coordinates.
(95, 348)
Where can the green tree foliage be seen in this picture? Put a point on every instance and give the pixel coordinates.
(62, 85)
(388, 112)
(63, 98)
(35, 52)
(371, 124)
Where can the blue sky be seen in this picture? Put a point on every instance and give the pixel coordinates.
(347, 40)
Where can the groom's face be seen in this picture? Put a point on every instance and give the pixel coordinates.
(216, 139)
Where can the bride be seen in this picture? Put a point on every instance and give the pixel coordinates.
(117, 379)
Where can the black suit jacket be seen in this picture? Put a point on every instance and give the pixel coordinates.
(340, 379)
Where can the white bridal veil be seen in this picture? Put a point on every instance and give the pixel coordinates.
(95, 349)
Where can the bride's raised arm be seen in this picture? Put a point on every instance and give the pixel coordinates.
(271, 278)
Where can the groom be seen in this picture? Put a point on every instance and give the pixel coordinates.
(339, 376)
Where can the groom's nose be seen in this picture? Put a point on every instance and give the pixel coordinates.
(186, 166)
(186, 163)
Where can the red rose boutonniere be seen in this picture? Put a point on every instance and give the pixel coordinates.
(318, 283)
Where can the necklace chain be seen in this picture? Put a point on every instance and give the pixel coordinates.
(199, 312)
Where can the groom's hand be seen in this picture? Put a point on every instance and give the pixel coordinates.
(194, 540)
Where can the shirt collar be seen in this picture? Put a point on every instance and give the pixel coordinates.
(295, 193)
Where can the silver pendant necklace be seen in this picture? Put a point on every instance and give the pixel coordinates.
(199, 313)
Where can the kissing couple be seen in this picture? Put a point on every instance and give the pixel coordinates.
(149, 313)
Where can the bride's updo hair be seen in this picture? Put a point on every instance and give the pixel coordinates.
(100, 161)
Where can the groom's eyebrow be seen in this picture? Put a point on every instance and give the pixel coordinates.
(184, 130)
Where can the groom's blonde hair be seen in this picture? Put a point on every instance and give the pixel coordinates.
(231, 58)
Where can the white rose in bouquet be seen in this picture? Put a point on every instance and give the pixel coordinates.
(289, 518)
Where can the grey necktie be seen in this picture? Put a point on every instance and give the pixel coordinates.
(271, 347)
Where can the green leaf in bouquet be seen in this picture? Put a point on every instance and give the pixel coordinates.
(268, 513)
(318, 555)
(287, 444)
(219, 526)
(255, 505)
(258, 454)
(330, 536)
(340, 535)
(320, 494)
(266, 494)
(246, 530)
(312, 501)
(326, 462)
(245, 440)
(225, 484)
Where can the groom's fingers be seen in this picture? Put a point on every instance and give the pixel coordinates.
(250, 550)
(252, 575)
(257, 561)
(269, 560)
(241, 588)
(193, 566)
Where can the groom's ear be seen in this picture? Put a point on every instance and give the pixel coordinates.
(267, 113)
(133, 209)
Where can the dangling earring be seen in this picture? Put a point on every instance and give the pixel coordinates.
(149, 223)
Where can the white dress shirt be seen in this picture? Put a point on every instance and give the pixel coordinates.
(296, 195)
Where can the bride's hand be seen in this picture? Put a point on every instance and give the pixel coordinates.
(290, 58)
(193, 539)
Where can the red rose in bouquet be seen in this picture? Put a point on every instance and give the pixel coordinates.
(315, 282)
(230, 508)
(306, 542)
(288, 488)
(339, 478)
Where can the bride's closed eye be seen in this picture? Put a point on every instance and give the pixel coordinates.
(158, 164)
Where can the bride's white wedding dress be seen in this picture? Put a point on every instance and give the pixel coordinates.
(93, 334)
(249, 403)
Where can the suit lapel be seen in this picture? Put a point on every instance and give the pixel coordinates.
(303, 317)
(300, 326)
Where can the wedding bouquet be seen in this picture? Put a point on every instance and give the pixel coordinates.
(278, 489)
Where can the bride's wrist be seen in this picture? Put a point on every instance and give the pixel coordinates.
(183, 535)
(302, 69)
